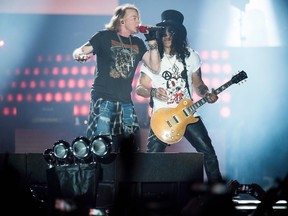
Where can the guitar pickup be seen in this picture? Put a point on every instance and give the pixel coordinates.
(186, 112)
(175, 119)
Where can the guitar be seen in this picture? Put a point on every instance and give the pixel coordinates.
(169, 124)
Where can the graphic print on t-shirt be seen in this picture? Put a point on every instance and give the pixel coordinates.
(175, 87)
(124, 56)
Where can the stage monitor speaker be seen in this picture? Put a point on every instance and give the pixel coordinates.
(36, 167)
(17, 161)
(135, 167)
(150, 183)
(29, 167)
(159, 167)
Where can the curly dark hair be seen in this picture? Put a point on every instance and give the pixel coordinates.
(179, 46)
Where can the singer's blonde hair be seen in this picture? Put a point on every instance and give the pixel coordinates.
(119, 13)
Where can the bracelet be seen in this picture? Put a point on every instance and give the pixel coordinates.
(153, 92)
(153, 46)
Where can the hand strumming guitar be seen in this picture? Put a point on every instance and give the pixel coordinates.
(161, 94)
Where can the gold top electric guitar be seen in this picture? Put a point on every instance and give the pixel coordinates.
(169, 124)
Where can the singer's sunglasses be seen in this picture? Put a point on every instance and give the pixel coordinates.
(168, 29)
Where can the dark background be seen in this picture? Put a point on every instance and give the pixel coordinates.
(251, 143)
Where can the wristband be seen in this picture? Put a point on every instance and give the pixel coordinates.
(153, 92)
(153, 46)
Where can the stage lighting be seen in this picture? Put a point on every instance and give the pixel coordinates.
(49, 157)
(81, 147)
(62, 150)
(101, 146)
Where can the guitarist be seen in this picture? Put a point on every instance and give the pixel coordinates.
(180, 74)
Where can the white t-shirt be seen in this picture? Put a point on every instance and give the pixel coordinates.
(171, 80)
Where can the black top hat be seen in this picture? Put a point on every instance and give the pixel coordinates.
(175, 19)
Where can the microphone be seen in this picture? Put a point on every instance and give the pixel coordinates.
(144, 29)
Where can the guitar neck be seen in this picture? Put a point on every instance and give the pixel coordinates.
(204, 100)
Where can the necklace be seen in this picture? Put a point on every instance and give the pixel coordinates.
(131, 51)
(175, 68)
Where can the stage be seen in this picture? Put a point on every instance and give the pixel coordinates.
(133, 184)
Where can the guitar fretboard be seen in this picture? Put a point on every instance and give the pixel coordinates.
(204, 100)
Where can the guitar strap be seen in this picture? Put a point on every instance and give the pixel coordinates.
(184, 75)
(151, 102)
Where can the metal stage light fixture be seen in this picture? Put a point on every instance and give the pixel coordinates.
(62, 151)
(81, 151)
(101, 146)
(49, 157)
(81, 147)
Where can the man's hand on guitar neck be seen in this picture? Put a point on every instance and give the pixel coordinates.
(211, 97)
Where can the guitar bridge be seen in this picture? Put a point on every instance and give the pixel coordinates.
(169, 124)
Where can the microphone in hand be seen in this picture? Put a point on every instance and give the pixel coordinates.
(145, 29)
(151, 32)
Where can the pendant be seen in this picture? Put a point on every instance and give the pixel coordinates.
(132, 60)
(175, 69)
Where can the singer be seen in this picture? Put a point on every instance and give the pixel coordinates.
(118, 52)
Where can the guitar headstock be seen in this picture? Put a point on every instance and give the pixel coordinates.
(240, 76)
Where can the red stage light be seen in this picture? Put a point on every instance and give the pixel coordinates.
(19, 97)
(36, 71)
(61, 83)
(32, 84)
(14, 84)
(75, 70)
(46, 71)
(84, 110)
(52, 84)
(204, 55)
(40, 58)
(77, 96)
(65, 71)
(10, 97)
(76, 110)
(84, 70)
(6, 111)
(216, 68)
(58, 97)
(205, 68)
(225, 54)
(81, 83)
(87, 96)
(27, 71)
(215, 54)
(29, 97)
(55, 71)
(71, 83)
(68, 97)
(48, 97)
(59, 58)
(225, 112)
(42, 84)
(38, 97)
(23, 84)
